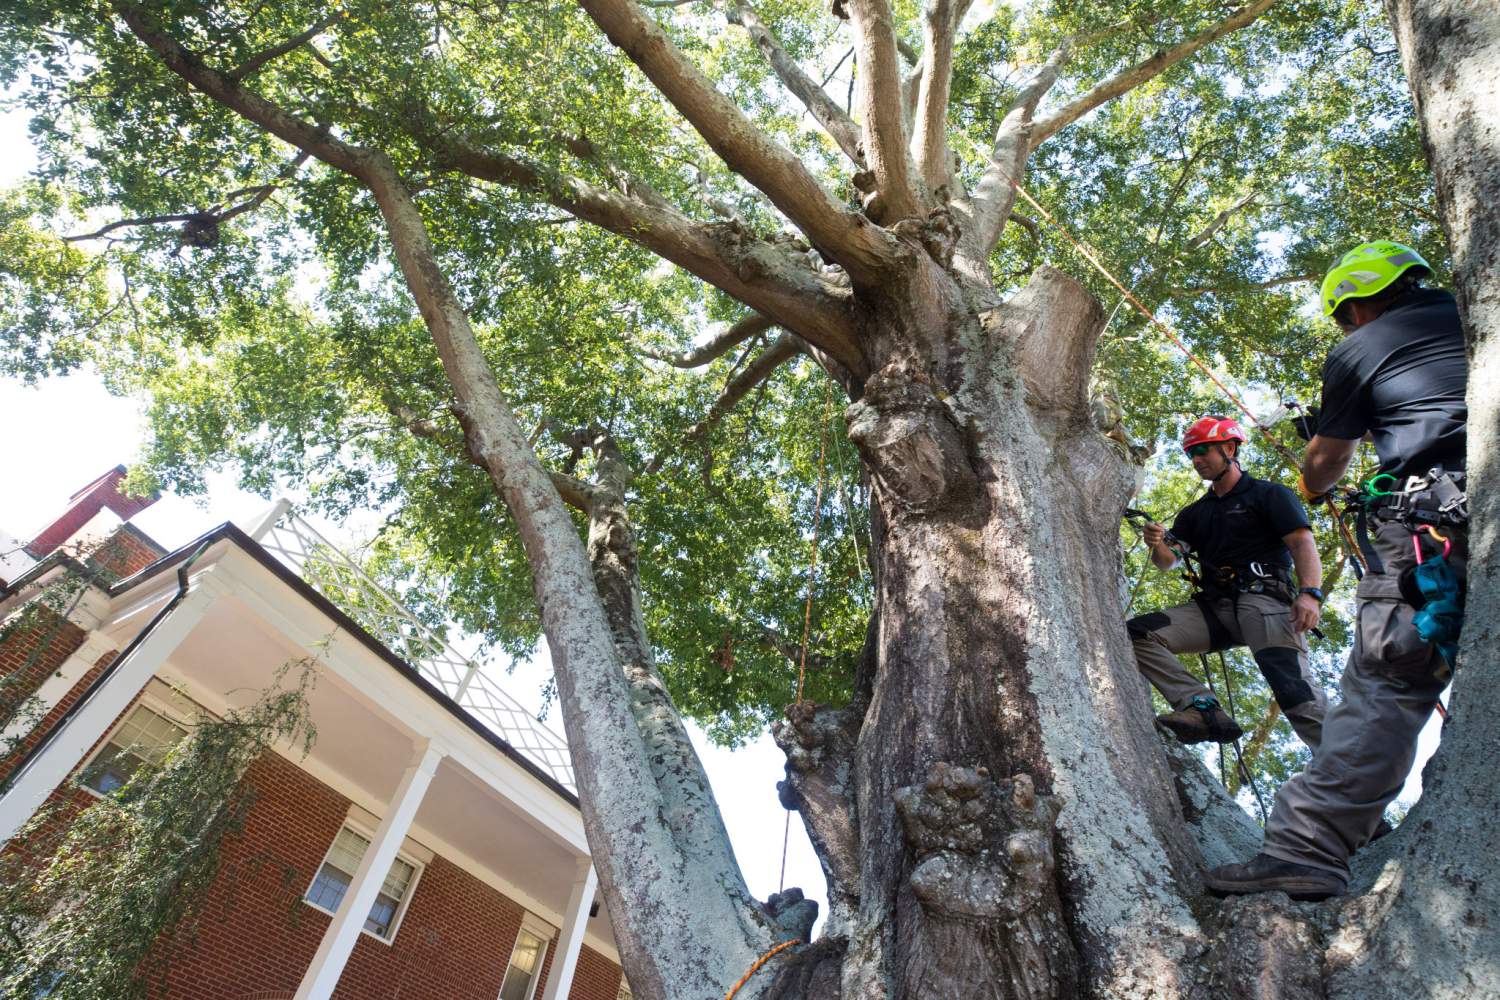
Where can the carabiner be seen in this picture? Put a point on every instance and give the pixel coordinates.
(1416, 542)
(1376, 492)
(1447, 543)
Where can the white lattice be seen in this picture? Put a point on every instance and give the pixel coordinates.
(339, 578)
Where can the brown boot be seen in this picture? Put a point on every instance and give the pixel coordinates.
(1264, 873)
(1201, 722)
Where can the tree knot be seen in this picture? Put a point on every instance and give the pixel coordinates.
(984, 848)
(910, 440)
(792, 913)
(937, 234)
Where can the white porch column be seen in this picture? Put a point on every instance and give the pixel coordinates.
(338, 941)
(93, 719)
(61, 681)
(570, 939)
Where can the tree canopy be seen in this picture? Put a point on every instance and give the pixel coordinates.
(248, 293)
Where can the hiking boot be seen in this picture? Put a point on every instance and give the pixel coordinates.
(1264, 873)
(1201, 722)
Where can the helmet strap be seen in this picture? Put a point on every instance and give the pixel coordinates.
(1228, 461)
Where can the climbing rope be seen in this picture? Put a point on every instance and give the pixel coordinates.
(1239, 759)
(1286, 453)
(758, 963)
(812, 575)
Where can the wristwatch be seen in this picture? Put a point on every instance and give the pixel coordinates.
(1313, 592)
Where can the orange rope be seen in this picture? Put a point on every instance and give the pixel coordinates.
(1140, 307)
(812, 573)
(812, 570)
(756, 967)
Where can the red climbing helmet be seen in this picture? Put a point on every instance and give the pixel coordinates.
(1210, 430)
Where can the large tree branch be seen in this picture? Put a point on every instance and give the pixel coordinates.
(575, 492)
(1219, 221)
(624, 808)
(741, 331)
(839, 126)
(880, 100)
(766, 277)
(930, 131)
(265, 56)
(865, 251)
(1142, 71)
(983, 216)
(209, 216)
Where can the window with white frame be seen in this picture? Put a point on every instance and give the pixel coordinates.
(525, 966)
(337, 872)
(624, 993)
(145, 737)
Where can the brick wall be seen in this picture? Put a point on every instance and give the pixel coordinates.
(35, 644)
(102, 493)
(255, 937)
(126, 553)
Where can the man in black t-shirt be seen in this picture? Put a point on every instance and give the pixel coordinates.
(1247, 534)
(1398, 379)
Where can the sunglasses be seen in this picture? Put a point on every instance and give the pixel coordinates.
(1199, 449)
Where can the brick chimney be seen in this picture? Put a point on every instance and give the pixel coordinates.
(83, 506)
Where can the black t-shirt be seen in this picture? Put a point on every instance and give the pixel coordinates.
(1245, 525)
(1402, 378)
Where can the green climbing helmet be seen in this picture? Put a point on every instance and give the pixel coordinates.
(1366, 270)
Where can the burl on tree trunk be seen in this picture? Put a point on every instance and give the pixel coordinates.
(998, 653)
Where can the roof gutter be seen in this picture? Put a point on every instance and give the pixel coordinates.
(57, 727)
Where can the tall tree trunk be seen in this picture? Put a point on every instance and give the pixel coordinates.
(1011, 826)
(1430, 923)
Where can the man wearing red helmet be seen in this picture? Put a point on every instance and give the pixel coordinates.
(1248, 534)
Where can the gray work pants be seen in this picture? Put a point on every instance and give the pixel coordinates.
(1390, 687)
(1260, 621)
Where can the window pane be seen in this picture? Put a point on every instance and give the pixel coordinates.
(624, 993)
(337, 874)
(348, 850)
(399, 878)
(145, 736)
(524, 963)
(329, 887)
(382, 912)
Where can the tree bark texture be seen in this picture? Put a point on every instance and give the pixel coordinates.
(1009, 824)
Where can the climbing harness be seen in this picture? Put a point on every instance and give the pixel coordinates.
(1434, 500)
(1192, 573)
(758, 963)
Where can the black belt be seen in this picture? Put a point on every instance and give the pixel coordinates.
(1249, 578)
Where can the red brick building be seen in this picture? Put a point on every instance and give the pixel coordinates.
(429, 847)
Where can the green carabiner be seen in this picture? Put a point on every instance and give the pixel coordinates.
(1374, 492)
